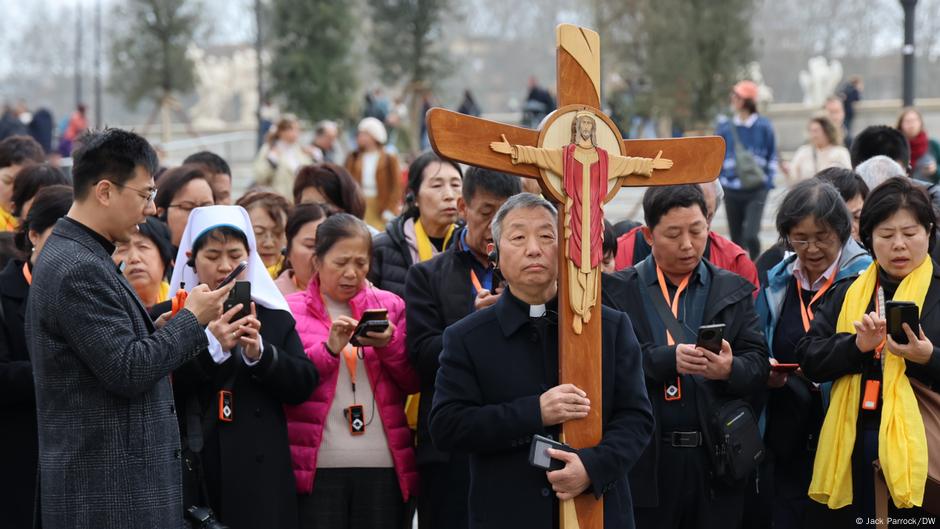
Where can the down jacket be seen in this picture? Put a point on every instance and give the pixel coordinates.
(389, 371)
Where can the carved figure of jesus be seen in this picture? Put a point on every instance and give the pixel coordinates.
(585, 169)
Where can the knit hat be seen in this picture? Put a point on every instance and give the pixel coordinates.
(373, 127)
(746, 90)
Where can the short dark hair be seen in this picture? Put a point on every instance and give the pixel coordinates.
(625, 226)
(881, 139)
(338, 227)
(890, 197)
(211, 161)
(220, 234)
(495, 183)
(416, 177)
(51, 204)
(274, 204)
(657, 201)
(17, 150)
(175, 179)
(814, 198)
(157, 231)
(33, 178)
(109, 154)
(335, 183)
(846, 181)
(299, 217)
(610, 239)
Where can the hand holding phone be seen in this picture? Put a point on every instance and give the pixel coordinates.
(372, 320)
(538, 453)
(784, 368)
(898, 312)
(710, 337)
(240, 293)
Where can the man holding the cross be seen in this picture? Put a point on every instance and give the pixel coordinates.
(498, 386)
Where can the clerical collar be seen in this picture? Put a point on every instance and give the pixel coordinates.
(537, 311)
(100, 239)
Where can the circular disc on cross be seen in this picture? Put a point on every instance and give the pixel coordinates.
(565, 126)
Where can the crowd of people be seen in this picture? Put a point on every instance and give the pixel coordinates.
(349, 344)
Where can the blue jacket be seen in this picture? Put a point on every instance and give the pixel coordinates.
(853, 261)
(760, 141)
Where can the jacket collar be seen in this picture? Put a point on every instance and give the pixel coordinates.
(71, 229)
(512, 313)
(727, 289)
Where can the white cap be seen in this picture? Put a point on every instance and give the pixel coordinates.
(373, 127)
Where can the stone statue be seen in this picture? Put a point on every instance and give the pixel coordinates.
(819, 81)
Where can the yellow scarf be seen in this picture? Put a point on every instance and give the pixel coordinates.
(164, 293)
(275, 269)
(7, 220)
(902, 443)
(425, 249)
(425, 252)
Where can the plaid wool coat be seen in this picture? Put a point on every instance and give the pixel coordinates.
(109, 445)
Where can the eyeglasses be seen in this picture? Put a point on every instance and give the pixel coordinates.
(261, 234)
(189, 206)
(821, 244)
(148, 194)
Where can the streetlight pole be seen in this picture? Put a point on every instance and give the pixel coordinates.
(907, 51)
(259, 47)
(78, 54)
(98, 110)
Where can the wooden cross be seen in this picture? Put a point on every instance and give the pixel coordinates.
(577, 150)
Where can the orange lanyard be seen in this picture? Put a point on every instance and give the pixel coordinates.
(674, 305)
(476, 281)
(806, 310)
(349, 355)
(27, 274)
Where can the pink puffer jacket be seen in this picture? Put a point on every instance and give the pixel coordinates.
(388, 365)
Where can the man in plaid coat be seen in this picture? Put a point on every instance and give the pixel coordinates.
(109, 450)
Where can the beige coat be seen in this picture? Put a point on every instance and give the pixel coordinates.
(808, 160)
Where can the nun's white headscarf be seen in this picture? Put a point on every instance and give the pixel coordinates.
(202, 220)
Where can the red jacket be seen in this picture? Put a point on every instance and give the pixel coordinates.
(721, 253)
(389, 371)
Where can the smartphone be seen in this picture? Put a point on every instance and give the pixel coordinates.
(784, 368)
(231, 277)
(538, 453)
(710, 337)
(898, 312)
(240, 293)
(371, 320)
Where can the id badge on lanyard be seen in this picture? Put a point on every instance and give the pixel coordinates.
(672, 391)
